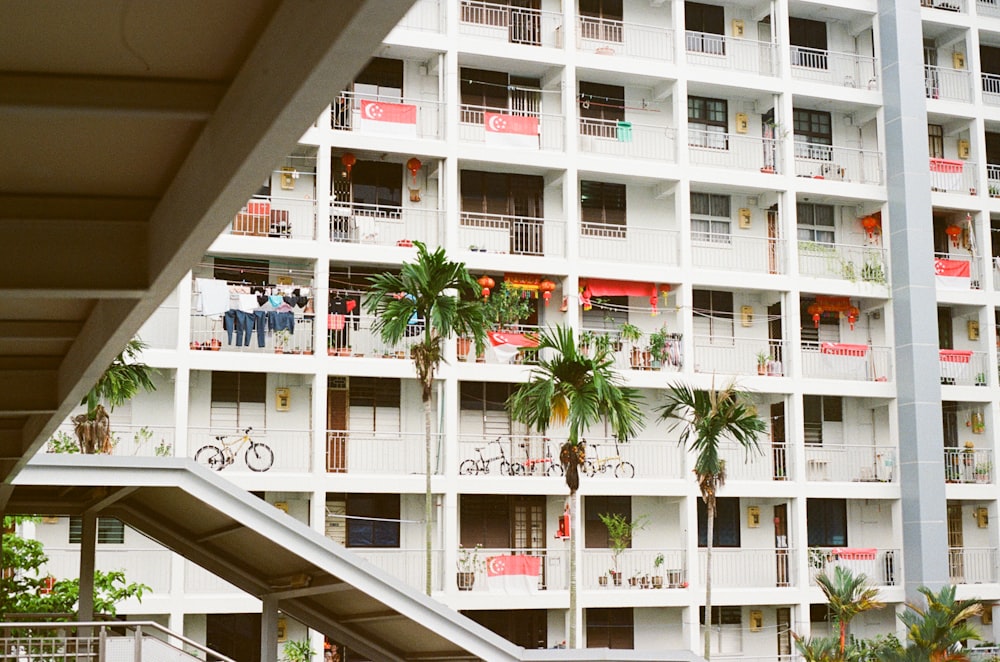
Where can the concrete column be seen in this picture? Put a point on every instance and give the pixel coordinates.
(88, 544)
(269, 629)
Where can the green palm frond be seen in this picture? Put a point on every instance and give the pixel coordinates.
(123, 379)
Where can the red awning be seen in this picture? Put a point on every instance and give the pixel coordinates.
(600, 287)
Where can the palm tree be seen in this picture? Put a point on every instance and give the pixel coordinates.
(818, 649)
(847, 595)
(566, 387)
(706, 418)
(442, 296)
(122, 380)
(935, 630)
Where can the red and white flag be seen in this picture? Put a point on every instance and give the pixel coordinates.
(505, 345)
(511, 130)
(513, 574)
(399, 119)
(952, 274)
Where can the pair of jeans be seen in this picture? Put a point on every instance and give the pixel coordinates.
(242, 323)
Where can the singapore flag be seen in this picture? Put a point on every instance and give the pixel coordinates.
(399, 119)
(517, 573)
(952, 274)
(511, 130)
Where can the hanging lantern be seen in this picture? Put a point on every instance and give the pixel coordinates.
(954, 232)
(413, 165)
(869, 224)
(547, 287)
(487, 284)
(816, 311)
(852, 316)
(348, 160)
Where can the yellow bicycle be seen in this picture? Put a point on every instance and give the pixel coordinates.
(218, 456)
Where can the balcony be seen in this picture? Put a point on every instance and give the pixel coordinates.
(610, 37)
(373, 452)
(147, 566)
(841, 164)
(771, 463)
(160, 330)
(763, 255)
(727, 355)
(949, 176)
(988, 8)
(402, 118)
(972, 565)
(494, 571)
(991, 88)
(733, 151)
(968, 465)
(833, 68)
(947, 84)
(381, 225)
(499, 127)
(854, 362)
(229, 335)
(850, 463)
(719, 51)
(955, 272)
(993, 179)
(605, 242)
(424, 16)
(963, 367)
(292, 448)
(358, 340)
(408, 565)
(276, 217)
(517, 235)
(638, 564)
(741, 567)
(843, 262)
(510, 23)
(946, 5)
(881, 566)
(627, 140)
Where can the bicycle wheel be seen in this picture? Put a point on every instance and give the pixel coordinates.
(588, 468)
(211, 457)
(624, 470)
(468, 467)
(554, 469)
(259, 456)
(511, 468)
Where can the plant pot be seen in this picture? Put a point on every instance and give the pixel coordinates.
(463, 346)
(616, 577)
(644, 582)
(195, 345)
(279, 350)
(657, 581)
(633, 581)
(215, 344)
(761, 369)
(602, 581)
(400, 353)
(465, 580)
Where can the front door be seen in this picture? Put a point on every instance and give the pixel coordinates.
(784, 630)
(781, 545)
(336, 428)
(779, 467)
(956, 562)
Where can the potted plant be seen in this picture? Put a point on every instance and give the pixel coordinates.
(631, 334)
(462, 347)
(602, 579)
(633, 581)
(281, 339)
(620, 532)
(982, 472)
(468, 564)
(657, 572)
(297, 651)
(762, 360)
(587, 340)
(660, 346)
(506, 306)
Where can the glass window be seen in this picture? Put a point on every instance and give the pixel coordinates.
(713, 314)
(109, 531)
(808, 40)
(610, 628)
(705, 27)
(935, 141)
(726, 532)
(595, 532)
(826, 521)
(377, 184)
(813, 134)
(710, 218)
(708, 122)
(815, 222)
(602, 204)
(378, 520)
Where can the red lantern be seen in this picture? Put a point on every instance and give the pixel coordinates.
(348, 160)
(487, 284)
(869, 224)
(413, 165)
(547, 287)
(816, 319)
(852, 316)
(953, 231)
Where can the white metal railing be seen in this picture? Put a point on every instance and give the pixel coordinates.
(983, 653)
(945, 83)
(510, 23)
(733, 151)
(842, 164)
(740, 567)
(850, 463)
(725, 354)
(292, 448)
(160, 330)
(553, 570)
(968, 465)
(769, 462)
(991, 89)
(639, 354)
(209, 333)
(347, 114)
(883, 567)
(954, 176)
(611, 37)
(993, 180)
(199, 581)
(147, 566)
(126, 440)
(633, 568)
(627, 243)
(738, 252)
(424, 15)
(375, 452)
(472, 128)
(716, 50)
(972, 565)
(383, 225)
(851, 361)
(518, 235)
(946, 5)
(833, 68)
(627, 139)
(864, 263)
(975, 271)
(988, 8)
(275, 217)
(508, 455)
(360, 341)
(963, 368)
(409, 565)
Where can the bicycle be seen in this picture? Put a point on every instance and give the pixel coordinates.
(622, 468)
(481, 464)
(547, 464)
(218, 456)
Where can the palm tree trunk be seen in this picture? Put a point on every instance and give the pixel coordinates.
(843, 636)
(428, 501)
(710, 507)
(573, 505)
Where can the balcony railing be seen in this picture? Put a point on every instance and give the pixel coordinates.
(993, 180)
(276, 217)
(949, 84)
(518, 235)
(771, 463)
(725, 354)
(358, 340)
(851, 463)
(733, 151)
(626, 243)
(844, 262)
(553, 568)
(946, 5)
(409, 565)
(611, 37)
(991, 89)
(376, 452)
(833, 68)
(160, 330)
(963, 367)
(639, 355)
(383, 225)
(736, 252)
(510, 23)
(968, 465)
(549, 137)
(988, 8)
(292, 448)
(883, 567)
(950, 281)
(628, 139)
(856, 362)
(210, 333)
(953, 176)
(424, 15)
(633, 563)
(842, 164)
(147, 566)
(972, 565)
(740, 567)
(716, 50)
(370, 114)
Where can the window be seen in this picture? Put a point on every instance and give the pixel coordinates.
(818, 409)
(610, 628)
(498, 521)
(238, 400)
(377, 184)
(594, 532)
(710, 218)
(705, 26)
(727, 523)
(381, 79)
(374, 404)
(813, 134)
(935, 141)
(497, 90)
(608, 314)
(501, 193)
(708, 123)
(727, 636)
(601, 20)
(109, 531)
(713, 314)
(826, 521)
(808, 40)
(375, 531)
(521, 627)
(829, 325)
(815, 222)
(602, 204)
